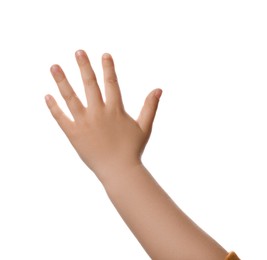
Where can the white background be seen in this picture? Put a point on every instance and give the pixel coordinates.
(208, 148)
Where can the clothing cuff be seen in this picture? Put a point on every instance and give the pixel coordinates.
(232, 256)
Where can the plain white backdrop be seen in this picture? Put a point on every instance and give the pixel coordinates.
(208, 148)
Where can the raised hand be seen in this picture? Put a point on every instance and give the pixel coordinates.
(106, 138)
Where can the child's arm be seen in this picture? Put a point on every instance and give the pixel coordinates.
(111, 143)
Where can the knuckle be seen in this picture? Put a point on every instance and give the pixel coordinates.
(112, 80)
(90, 81)
(70, 97)
(92, 77)
(58, 115)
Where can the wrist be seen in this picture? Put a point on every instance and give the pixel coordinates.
(118, 172)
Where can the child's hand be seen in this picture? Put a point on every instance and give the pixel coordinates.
(103, 134)
(111, 143)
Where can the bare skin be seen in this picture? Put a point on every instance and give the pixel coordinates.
(111, 143)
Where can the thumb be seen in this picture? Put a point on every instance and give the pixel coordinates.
(148, 112)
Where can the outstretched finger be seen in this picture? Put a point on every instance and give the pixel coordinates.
(64, 122)
(92, 91)
(148, 112)
(73, 102)
(112, 89)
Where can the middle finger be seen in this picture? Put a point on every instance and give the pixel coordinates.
(92, 91)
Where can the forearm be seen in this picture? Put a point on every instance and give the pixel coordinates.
(163, 230)
(104, 135)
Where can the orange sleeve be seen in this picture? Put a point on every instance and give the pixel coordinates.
(232, 256)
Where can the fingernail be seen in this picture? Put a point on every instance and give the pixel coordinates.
(47, 98)
(158, 93)
(79, 53)
(55, 68)
(57, 73)
(106, 56)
